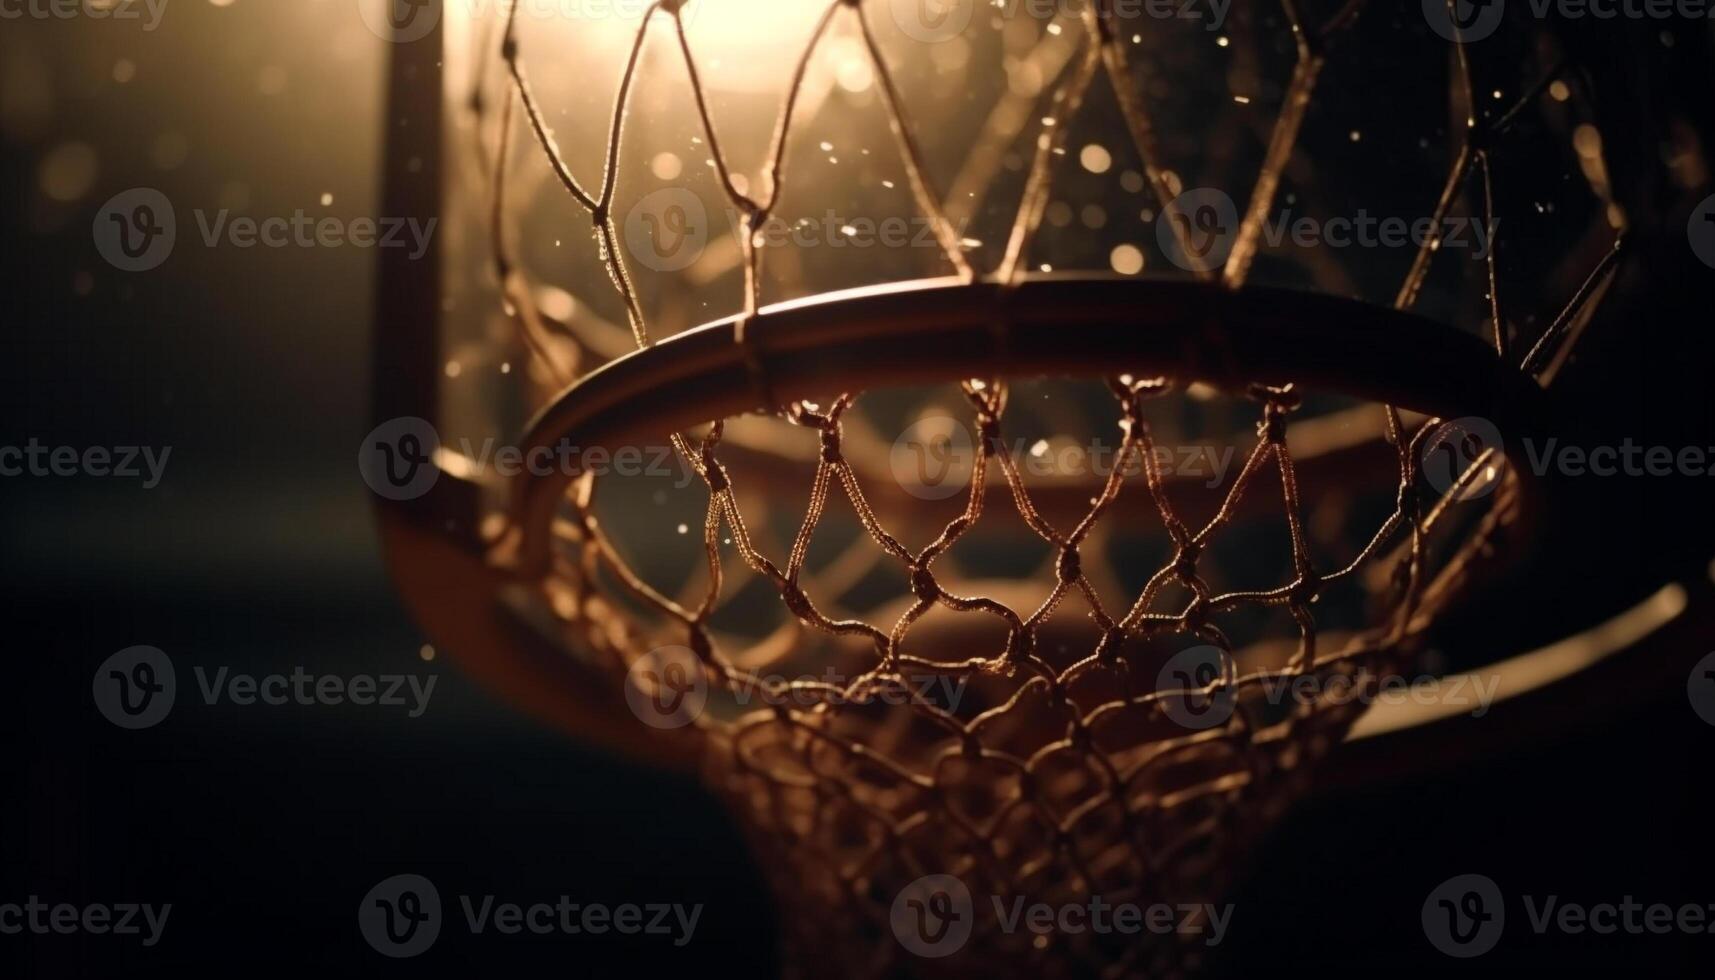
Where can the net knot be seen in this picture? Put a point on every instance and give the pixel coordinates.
(923, 584)
(1196, 615)
(797, 601)
(830, 444)
(1071, 564)
(715, 476)
(1305, 590)
(700, 644)
(1185, 562)
(1108, 647)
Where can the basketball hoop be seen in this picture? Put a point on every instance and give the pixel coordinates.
(1106, 725)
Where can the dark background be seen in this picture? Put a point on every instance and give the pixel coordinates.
(265, 826)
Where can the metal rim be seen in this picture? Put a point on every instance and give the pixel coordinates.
(946, 330)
